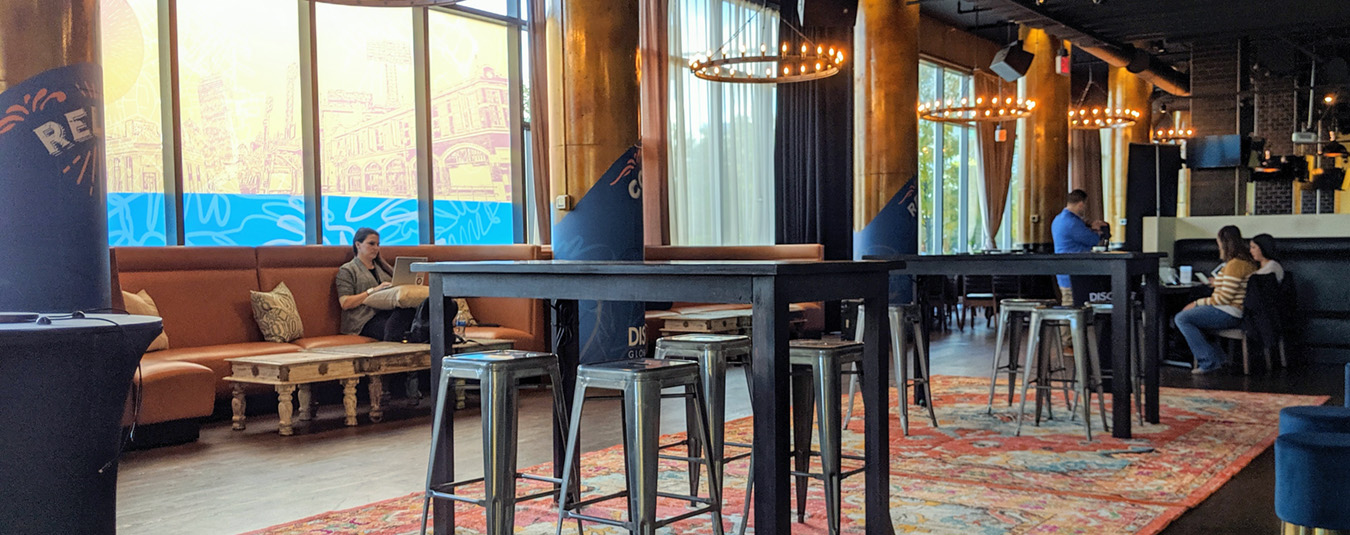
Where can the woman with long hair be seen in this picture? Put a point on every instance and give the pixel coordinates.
(1223, 309)
(1263, 252)
(364, 275)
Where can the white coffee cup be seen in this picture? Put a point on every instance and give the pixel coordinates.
(1185, 276)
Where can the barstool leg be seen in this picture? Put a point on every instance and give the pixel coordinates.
(570, 457)
(1014, 345)
(560, 421)
(853, 379)
(1094, 366)
(499, 397)
(642, 402)
(715, 394)
(900, 359)
(693, 445)
(998, 354)
(1032, 346)
(802, 401)
(826, 380)
(1080, 366)
(701, 424)
(922, 355)
(436, 420)
(750, 479)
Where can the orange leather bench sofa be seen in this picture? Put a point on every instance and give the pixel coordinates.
(202, 293)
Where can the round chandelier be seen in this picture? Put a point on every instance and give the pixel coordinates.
(800, 61)
(1099, 118)
(1172, 135)
(981, 110)
(813, 62)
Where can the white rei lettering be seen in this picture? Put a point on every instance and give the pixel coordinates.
(53, 135)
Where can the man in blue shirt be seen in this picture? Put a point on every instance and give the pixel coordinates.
(1074, 235)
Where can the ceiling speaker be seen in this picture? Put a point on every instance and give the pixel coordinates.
(828, 13)
(1012, 62)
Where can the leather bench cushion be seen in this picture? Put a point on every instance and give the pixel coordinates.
(311, 342)
(310, 272)
(171, 391)
(214, 356)
(524, 341)
(201, 292)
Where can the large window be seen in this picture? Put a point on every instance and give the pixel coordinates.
(242, 122)
(721, 135)
(132, 123)
(367, 122)
(239, 66)
(471, 130)
(951, 184)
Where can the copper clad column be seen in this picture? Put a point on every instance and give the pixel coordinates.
(596, 166)
(51, 143)
(1046, 151)
(886, 133)
(1127, 91)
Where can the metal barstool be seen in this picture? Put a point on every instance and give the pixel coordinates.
(906, 324)
(641, 381)
(1084, 361)
(1101, 312)
(712, 352)
(498, 372)
(823, 361)
(1013, 316)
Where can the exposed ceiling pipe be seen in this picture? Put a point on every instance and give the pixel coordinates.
(1140, 62)
(1147, 66)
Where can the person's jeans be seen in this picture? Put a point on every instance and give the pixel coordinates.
(1193, 324)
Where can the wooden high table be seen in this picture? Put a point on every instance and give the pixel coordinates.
(769, 286)
(1122, 267)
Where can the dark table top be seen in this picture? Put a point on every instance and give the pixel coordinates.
(677, 267)
(1027, 263)
(63, 324)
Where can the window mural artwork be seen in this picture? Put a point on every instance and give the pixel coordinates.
(132, 124)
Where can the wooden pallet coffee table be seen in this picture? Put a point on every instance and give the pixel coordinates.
(384, 358)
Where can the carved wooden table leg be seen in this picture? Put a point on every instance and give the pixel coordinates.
(349, 400)
(237, 404)
(376, 392)
(284, 409)
(305, 406)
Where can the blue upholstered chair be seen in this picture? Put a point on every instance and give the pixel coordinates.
(1312, 466)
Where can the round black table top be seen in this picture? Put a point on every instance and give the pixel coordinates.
(63, 324)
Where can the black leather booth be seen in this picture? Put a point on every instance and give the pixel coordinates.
(1321, 271)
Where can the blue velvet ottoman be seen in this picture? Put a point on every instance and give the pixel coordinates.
(1315, 419)
(1312, 472)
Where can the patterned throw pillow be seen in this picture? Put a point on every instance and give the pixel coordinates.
(141, 304)
(276, 314)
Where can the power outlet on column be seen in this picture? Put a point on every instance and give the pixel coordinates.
(562, 202)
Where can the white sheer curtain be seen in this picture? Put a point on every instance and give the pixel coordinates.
(721, 134)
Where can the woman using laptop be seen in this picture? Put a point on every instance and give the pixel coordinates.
(1223, 309)
(357, 280)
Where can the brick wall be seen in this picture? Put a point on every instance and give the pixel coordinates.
(1310, 204)
(1214, 78)
(1274, 198)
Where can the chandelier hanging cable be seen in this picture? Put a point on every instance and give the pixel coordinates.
(1097, 117)
(810, 61)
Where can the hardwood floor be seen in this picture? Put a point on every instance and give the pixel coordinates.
(231, 482)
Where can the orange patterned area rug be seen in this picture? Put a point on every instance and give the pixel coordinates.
(969, 475)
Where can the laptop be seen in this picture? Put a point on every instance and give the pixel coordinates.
(403, 273)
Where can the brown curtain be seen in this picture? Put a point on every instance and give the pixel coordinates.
(995, 157)
(539, 120)
(654, 87)
(1085, 169)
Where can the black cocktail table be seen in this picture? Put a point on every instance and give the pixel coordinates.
(1121, 267)
(769, 286)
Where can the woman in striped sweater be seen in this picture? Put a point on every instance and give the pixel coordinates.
(1223, 309)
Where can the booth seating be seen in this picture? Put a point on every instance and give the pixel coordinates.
(202, 293)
